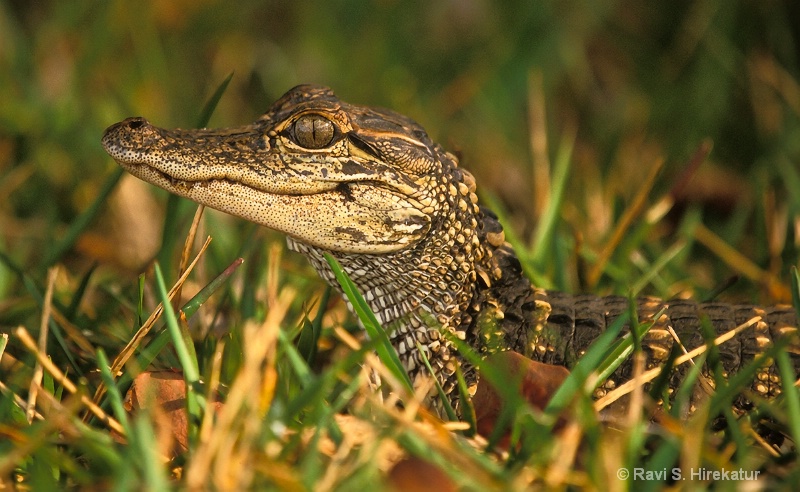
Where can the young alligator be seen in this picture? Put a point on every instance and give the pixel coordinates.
(369, 187)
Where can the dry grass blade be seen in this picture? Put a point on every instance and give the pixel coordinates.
(38, 372)
(763, 442)
(768, 69)
(57, 420)
(702, 379)
(690, 169)
(225, 458)
(566, 449)
(741, 263)
(637, 395)
(18, 400)
(648, 376)
(186, 253)
(437, 438)
(537, 140)
(60, 378)
(624, 223)
(381, 373)
(213, 386)
(75, 334)
(134, 342)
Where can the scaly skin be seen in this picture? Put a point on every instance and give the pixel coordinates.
(369, 187)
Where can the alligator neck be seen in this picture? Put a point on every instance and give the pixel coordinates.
(453, 281)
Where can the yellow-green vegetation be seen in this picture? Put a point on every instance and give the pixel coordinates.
(629, 147)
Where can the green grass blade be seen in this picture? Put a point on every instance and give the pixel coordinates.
(383, 347)
(664, 458)
(189, 364)
(317, 389)
(191, 372)
(296, 360)
(149, 353)
(726, 392)
(659, 389)
(77, 297)
(590, 361)
(544, 231)
(211, 104)
(621, 349)
(34, 291)
(206, 292)
(734, 431)
(113, 394)
(788, 376)
(790, 393)
(661, 262)
(311, 330)
(307, 340)
(521, 248)
(451, 414)
(796, 290)
(148, 456)
(467, 409)
(140, 284)
(791, 176)
(684, 393)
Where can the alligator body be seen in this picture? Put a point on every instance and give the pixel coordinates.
(369, 187)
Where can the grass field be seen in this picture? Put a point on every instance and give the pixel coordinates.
(629, 147)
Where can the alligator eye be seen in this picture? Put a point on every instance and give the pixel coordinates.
(313, 131)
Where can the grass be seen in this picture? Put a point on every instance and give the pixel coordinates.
(628, 147)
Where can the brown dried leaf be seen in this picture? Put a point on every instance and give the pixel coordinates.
(537, 382)
(417, 475)
(163, 393)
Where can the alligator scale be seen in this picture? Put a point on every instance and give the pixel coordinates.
(369, 187)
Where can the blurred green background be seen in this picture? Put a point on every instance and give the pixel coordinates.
(633, 81)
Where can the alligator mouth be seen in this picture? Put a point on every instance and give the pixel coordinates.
(164, 169)
(178, 184)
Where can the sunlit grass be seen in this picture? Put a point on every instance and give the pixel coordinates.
(582, 103)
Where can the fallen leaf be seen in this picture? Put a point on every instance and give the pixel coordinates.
(414, 474)
(163, 393)
(535, 381)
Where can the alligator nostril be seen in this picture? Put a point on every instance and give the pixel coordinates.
(136, 123)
